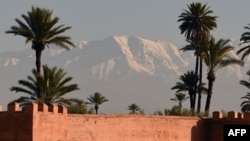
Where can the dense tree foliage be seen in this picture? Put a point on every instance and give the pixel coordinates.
(53, 83)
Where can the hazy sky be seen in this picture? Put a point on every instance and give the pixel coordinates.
(152, 19)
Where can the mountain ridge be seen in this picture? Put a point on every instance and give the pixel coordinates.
(123, 68)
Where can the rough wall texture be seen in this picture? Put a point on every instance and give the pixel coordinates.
(49, 123)
(52, 123)
(133, 128)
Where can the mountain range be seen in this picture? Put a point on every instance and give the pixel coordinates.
(126, 70)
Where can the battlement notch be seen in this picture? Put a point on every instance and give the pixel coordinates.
(13, 107)
(217, 115)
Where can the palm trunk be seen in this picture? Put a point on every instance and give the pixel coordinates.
(191, 98)
(211, 79)
(96, 109)
(196, 66)
(199, 89)
(38, 69)
(195, 88)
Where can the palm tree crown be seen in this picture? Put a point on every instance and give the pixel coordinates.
(97, 99)
(188, 82)
(245, 105)
(216, 55)
(40, 29)
(179, 97)
(196, 21)
(246, 83)
(245, 40)
(133, 108)
(53, 83)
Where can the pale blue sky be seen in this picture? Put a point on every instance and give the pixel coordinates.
(95, 20)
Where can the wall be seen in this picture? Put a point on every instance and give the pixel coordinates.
(215, 125)
(133, 128)
(15, 125)
(52, 123)
(49, 122)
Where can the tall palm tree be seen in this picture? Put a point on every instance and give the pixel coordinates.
(196, 24)
(53, 84)
(179, 97)
(216, 56)
(245, 40)
(245, 105)
(188, 82)
(40, 29)
(133, 108)
(191, 47)
(97, 99)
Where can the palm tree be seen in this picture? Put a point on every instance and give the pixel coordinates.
(188, 82)
(191, 47)
(40, 29)
(97, 99)
(245, 105)
(53, 84)
(216, 56)
(179, 97)
(196, 24)
(245, 40)
(133, 108)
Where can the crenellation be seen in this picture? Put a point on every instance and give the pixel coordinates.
(232, 115)
(53, 108)
(246, 115)
(43, 108)
(13, 107)
(51, 122)
(31, 108)
(62, 109)
(240, 116)
(217, 115)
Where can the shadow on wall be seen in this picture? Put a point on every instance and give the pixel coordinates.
(196, 134)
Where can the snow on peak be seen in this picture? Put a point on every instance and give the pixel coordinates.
(147, 55)
(11, 61)
(118, 54)
(81, 44)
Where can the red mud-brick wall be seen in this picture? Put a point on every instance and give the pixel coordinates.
(15, 125)
(49, 123)
(133, 128)
(33, 123)
(215, 125)
(52, 123)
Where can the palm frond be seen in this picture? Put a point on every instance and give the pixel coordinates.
(53, 86)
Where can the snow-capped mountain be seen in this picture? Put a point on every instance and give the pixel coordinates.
(126, 69)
